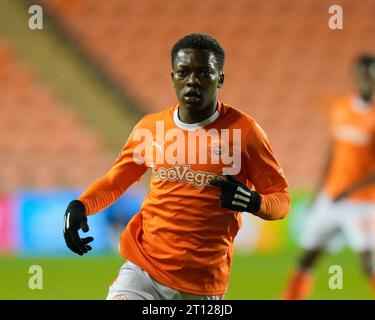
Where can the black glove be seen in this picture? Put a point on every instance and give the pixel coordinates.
(75, 219)
(236, 196)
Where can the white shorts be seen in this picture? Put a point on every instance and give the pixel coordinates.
(133, 283)
(329, 224)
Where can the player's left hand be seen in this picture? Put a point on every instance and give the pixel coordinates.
(75, 219)
(236, 196)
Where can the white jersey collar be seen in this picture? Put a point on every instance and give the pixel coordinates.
(194, 126)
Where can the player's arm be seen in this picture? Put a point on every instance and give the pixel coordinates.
(274, 206)
(236, 196)
(100, 194)
(107, 189)
(265, 173)
(270, 199)
(365, 182)
(324, 173)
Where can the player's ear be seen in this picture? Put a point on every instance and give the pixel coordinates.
(172, 78)
(221, 79)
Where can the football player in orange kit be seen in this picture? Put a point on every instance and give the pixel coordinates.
(180, 244)
(346, 203)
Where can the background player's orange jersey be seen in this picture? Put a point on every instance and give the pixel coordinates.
(182, 237)
(353, 158)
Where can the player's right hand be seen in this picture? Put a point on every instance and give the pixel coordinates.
(75, 219)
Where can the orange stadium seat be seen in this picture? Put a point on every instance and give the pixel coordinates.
(41, 139)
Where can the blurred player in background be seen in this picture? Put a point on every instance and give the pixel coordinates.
(345, 205)
(180, 244)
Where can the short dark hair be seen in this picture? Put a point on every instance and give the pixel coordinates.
(200, 41)
(365, 60)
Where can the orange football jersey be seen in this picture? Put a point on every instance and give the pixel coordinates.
(182, 237)
(353, 158)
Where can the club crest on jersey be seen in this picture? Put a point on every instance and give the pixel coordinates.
(218, 148)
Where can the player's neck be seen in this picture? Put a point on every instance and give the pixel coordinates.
(189, 116)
